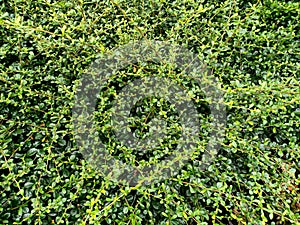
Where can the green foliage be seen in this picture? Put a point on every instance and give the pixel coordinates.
(254, 50)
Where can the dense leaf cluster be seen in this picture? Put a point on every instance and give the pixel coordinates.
(253, 48)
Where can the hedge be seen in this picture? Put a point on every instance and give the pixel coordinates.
(253, 49)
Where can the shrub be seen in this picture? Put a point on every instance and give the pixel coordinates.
(254, 51)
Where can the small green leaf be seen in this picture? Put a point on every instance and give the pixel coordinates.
(28, 185)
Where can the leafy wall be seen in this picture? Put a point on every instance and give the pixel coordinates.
(253, 48)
